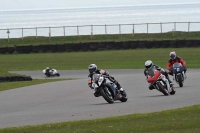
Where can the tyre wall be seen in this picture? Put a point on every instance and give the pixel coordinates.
(15, 78)
(97, 46)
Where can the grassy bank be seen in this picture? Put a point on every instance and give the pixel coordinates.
(99, 38)
(183, 120)
(115, 59)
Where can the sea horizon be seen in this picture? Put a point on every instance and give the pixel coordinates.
(101, 16)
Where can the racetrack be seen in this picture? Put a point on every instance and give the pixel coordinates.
(73, 100)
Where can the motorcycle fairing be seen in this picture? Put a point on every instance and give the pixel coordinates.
(177, 68)
(153, 75)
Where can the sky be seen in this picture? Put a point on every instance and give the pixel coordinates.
(57, 4)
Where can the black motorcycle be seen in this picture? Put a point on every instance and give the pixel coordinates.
(105, 87)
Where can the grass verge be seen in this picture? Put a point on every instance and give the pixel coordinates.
(113, 59)
(13, 85)
(182, 120)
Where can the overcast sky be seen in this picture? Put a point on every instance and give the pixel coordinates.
(44, 4)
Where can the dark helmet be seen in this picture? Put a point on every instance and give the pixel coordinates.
(172, 55)
(92, 68)
(148, 64)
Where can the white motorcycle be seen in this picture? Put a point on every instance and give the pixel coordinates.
(52, 72)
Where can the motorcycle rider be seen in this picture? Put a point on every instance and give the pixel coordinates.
(173, 59)
(93, 70)
(48, 70)
(148, 65)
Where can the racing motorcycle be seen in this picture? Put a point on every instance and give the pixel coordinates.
(105, 87)
(52, 72)
(158, 81)
(178, 73)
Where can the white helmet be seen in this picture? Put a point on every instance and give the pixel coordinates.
(148, 64)
(92, 68)
(172, 55)
(47, 67)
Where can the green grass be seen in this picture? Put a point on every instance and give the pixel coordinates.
(99, 38)
(13, 85)
(114, 59)
(182, 120)
(185, 120)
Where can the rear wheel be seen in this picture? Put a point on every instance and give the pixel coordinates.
(180, 82)
(162, 89)
(107, 95)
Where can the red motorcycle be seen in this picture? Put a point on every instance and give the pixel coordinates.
(159, 82)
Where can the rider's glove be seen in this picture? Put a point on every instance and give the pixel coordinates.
(107, 73)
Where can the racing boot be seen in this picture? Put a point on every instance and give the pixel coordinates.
(119, 87)
(185, 74)
(170, 83)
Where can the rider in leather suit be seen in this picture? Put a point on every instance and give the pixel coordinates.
(93, 69)
(149, 64)
(48, 70)
(173, 59)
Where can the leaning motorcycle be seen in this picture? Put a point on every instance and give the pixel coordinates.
(52, 72)
(178, 73)
(104, 87)
(158, 81)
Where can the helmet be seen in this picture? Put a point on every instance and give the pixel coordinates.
(148, 64)
(92, 68)
(47, 67)
(172, 55)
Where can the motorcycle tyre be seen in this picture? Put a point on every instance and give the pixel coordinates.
(106, 96)
(124, 97)
(58, 75)
(162, 89)
(48, 75)
(180, 82)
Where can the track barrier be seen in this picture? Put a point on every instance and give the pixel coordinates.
(98, 46)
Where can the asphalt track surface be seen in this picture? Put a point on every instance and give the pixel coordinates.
(70, 100)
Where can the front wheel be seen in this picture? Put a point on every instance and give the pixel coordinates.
(107, 95)
(162, 89)
(180, 82)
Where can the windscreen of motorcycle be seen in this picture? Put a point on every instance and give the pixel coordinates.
(95, 77)
(177, 64)
(151, 72)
